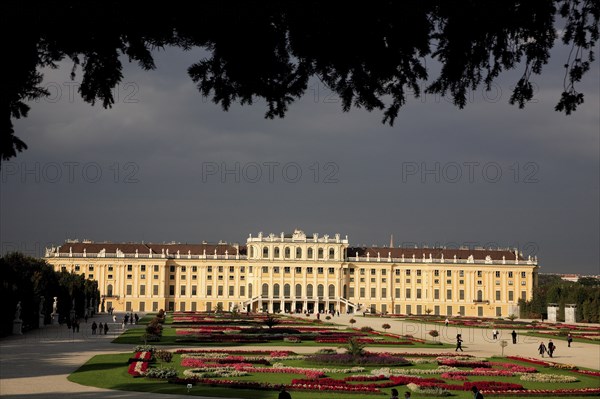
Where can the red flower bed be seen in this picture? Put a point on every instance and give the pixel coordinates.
(403, 380)
(463, 363)
(588, 372)
(238, 351)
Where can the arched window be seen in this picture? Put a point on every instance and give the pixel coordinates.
(309, 291)
(287, 252)
(298, 290)
(331, 290)
(265, 290)
(310, 253)
(249, 290)
(286, 291)
(331, 253)
(275, 290)
(298, 253)
(265, 252)
(276, 252)
(109, 290)
(320, 290)
(479, 295)
(320, 253)
(251, 254)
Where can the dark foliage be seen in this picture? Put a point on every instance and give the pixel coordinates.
(371, 57)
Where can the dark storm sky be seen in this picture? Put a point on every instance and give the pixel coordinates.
(164, 164)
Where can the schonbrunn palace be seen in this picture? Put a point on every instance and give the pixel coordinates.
(300, 273)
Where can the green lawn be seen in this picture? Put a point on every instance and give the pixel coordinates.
(133, 336)
(110, 372)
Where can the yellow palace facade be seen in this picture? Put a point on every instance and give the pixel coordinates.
(300, 273)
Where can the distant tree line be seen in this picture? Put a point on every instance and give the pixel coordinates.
(584, 293)
(28, 280)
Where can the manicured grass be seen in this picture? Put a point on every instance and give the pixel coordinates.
(132, 336)
(110, 372)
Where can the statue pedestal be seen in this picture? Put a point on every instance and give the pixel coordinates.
(17, 327)
(55, 319)
(41, 322)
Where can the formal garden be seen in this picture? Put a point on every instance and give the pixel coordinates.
(350, 371)
(227, 328)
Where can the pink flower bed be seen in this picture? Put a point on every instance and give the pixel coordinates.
(464, 363)
(238, 351)
(544, 392)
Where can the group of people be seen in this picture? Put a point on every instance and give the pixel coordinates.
(543, 349)
(99, 328)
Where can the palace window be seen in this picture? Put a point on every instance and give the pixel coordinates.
(220, 290)
(182, 290)
(276, 252)
(497, 273)
(220, 278)
(183, 269)
(286, 269)
(128, 289)
(383, 272)
(497, 295)
(242, 290)
(436, 273)
(155, 276)
(408, 272)
(194, 277)
(209, 269)
(209, 290)
(479, 273)
(383, 292)
(209, 277)
(231, 269)
(320, 252)
(129, 277)
(331, 253)
(265, 269)
(310, 254)
(408, 293)
(436, 281)
(373, 272)
(436, 294)
(510, 274)
(220, 269)
(155, 290)
(194, 290)
(397, 272)
(461, 295)
(362, 292)
(479, 282)
(265, 252)
(309, 270)
(110, 268)
(331, 270)
(110, 276)
(231, 278)
(407, 281)
(372, 280)
(461, 273)
(298, 253)
(155, 268)
(77, 268)
(171, 290)
(418, 272)
(448, 273)
(129, 268)
(276, 270)
(418, 293)
(231, 290)
(142, 276)
(171, 268)
(298, 270)
(286, 252)
(319, 270)
(397, 293)
(183, 276)
(362, 272)
(194, 269)
(448, 294)
(461, 281)
(523, 274)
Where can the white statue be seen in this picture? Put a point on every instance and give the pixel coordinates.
(18, 311)
(55, 306)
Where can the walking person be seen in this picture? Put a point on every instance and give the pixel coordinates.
(94, 327)
(105, 328)
(446, 322)
(495, 333)
(569, 339)
(459, 343)
(551, 348)
(476, 393)
(394, 394)
(114, 318)
(137, 318)
(542, 349)
(514, 336)
(100, 328)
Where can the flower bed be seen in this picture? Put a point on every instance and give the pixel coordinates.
(548, 378)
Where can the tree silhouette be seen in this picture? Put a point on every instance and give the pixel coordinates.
(372, 57)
